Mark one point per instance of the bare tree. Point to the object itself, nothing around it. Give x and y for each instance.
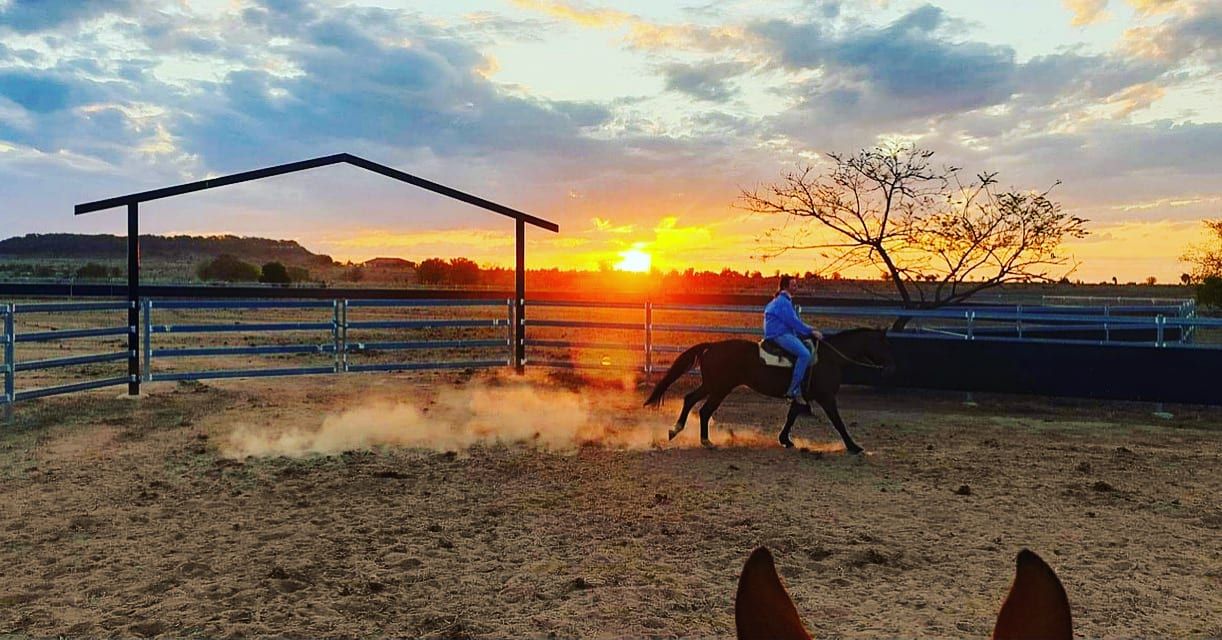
(1206, 258)
(937, 239)
(1206, 261)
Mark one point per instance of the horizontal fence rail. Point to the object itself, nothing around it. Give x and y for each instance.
(575, 334)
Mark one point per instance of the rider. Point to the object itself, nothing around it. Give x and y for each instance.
(783, 326)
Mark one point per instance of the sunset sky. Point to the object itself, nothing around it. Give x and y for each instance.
(632, 124)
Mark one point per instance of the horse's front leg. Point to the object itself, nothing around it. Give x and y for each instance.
(833, 413)
(795, 410)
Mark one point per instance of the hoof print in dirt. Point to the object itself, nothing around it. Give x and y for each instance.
(578, 584)
(963, 490)
(148, 629)
(874, 556)
(194, 570)
(1102, 487)
(289, 585)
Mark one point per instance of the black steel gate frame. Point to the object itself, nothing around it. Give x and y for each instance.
(132, 202)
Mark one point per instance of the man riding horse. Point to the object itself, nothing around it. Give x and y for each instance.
(783, 327)
(728, 364)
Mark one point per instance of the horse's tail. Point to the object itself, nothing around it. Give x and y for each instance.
(683, 363)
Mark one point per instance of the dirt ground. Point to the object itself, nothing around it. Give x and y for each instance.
(143, 518)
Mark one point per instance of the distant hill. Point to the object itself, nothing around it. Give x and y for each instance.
(104, 247)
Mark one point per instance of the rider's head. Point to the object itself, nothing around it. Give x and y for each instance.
(788, 283)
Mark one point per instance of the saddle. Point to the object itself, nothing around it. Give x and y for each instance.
(772, 355)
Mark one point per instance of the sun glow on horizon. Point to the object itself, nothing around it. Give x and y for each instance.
(634, 260)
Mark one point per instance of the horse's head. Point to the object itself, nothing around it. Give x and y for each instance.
(1036, 606)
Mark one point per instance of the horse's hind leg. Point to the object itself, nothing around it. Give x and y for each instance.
(833, 413)
(689, 401)
(706, 412)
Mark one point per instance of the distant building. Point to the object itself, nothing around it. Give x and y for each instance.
(390, 270)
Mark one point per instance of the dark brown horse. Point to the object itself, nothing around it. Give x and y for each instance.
(728, 364)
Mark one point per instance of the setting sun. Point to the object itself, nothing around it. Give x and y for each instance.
(633, 260)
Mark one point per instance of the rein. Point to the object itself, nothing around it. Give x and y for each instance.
(850, 360)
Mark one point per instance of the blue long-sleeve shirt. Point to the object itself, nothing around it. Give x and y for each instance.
(781, 318)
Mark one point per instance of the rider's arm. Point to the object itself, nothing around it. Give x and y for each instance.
(795, 322)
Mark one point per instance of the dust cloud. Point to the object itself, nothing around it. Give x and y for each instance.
(521, 412)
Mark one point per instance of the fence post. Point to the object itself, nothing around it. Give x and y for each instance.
(1160, 321)
(648, 340)
(336, 364)
(343, 334)
(10, 370)
(1018, 315)
(971, 323)
(133, 300)
(1107, 328)
(509, 330)
(148, 339)
(519, 277)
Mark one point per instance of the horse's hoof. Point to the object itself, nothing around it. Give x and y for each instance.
(855, 450)
(708, 444)
(674, 432)
(786, 442)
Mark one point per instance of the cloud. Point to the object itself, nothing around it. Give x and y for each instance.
(1194, 32)
(599, 18)
(708, 81)
(373, 77)
(37, 92)
(1156, 6)
(1136, 98)
(903, 70)
(30, 16)
(1086, 12)
(641, 34)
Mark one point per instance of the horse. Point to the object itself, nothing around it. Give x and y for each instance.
(1036, 607)
(728, 364)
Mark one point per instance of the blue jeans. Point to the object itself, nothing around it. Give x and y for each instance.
(793, 345)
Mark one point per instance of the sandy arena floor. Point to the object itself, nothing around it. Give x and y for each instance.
(145, 517)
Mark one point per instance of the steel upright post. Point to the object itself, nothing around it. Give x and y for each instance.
(133, 299)
(648, 340)
(148, 339)
(10, 368)
(519, 321)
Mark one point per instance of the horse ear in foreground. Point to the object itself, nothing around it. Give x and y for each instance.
(1036, 608)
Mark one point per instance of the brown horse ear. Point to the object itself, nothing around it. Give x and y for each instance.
(762, 608)
(1037, 606)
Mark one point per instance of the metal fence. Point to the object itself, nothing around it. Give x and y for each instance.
(338, 337)
(1002, 324)
(12, 338)
(346, 338)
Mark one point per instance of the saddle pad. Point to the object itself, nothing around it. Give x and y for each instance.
(770, 359)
